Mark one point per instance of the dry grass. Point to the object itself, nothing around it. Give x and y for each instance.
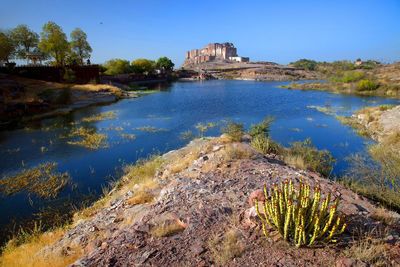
(383, 215)
(168, 229)
(236, 151)
(369, 249)
(140, 197)
(27, 254)
(296, 161)
(185, 159)
(222, 251)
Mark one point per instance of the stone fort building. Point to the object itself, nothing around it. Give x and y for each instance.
(214, 52)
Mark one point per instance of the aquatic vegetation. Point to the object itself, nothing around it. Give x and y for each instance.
(327, 111)
(42, 180)
(297, 217)
(310, 119)
(99, 117)
(43, 149)
(150, 129)
(89, 138)
(295, 130)
(12, 151)
(203, 128)
(186, 136)
(128, 136)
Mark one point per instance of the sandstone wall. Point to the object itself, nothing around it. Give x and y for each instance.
(213, 51)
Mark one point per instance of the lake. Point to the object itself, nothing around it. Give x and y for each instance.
(167, 114)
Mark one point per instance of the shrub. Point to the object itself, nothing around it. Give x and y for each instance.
(320, 161)
(235, 130)
(367, 85)
(117, 66)
(261, 128)
(303, 222)
(353, 76)
(265, 145)
(306, 64)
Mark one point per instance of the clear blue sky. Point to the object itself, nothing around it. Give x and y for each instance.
(270, 30)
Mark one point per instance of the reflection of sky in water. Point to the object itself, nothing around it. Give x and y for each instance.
(178, 109)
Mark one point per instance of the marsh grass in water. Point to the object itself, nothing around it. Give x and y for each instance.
(150, 129)
(99, 117)
(88, 138)
(43, 181)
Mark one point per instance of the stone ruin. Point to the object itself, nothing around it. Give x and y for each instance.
(214, 52)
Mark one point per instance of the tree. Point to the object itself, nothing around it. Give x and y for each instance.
(117, 66)
(165, 63)
(142, 65)
(306, 64)
(24, 40)
(7, 47)
(79, 45)
(54, 42)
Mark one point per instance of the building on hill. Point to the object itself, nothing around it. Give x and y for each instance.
(214, 52)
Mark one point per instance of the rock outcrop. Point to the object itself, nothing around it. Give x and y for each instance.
(196, 206)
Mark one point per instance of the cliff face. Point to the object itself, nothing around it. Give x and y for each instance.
(212, 52)
(200, 215)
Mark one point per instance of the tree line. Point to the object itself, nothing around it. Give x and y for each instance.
(141, 65)
(52, 44)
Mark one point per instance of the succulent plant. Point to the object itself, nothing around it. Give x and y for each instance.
(297, 217)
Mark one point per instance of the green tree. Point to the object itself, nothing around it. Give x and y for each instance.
(306, 64)
(24, 40)
(7, 47)
(54, 42)
(79, 45)
(117, 66)
(142, 65)
(165, 63)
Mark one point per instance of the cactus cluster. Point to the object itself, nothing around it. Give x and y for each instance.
(299, 218)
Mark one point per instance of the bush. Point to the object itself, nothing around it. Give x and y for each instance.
(235, 130)
(305, 64)
(297, 217)
(367, 85)
(261, 128)
(265, 145)
(142, 65)
(320, 161)
(353, 76)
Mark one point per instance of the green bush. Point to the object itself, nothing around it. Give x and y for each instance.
(261, 128)
(235, 130)
(306, 64)
(297, 216)
(265, 145)
(320, 161)
(353, 76)
(367, 85)
(117, 66)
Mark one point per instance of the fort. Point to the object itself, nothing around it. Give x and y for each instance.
(214, 52)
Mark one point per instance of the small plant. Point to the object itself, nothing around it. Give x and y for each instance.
(301, 223)
(265, 145)
(235, 130)
(261, 128)
(367, 85)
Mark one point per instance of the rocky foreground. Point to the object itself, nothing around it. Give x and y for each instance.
(201, 216)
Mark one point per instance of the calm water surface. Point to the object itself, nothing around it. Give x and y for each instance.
(178, 108)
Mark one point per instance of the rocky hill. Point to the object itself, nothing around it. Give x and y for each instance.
(195, 211)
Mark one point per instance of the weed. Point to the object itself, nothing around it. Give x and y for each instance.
(265, 145)
(99, 117)
(262, 128)
(222, 251)
(168, 229)
(370, 250)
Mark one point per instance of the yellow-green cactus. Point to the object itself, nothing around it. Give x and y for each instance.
(297, 217)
